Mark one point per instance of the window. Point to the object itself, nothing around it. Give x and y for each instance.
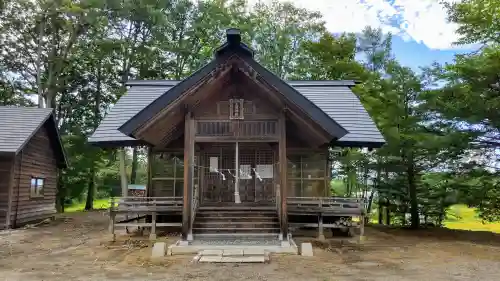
(37, 187)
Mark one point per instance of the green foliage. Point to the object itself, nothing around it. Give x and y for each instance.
(479, 20)
(77, 54)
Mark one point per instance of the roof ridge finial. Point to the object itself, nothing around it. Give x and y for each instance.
(233, 36)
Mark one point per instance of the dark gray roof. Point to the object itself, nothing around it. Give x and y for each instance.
(341, 104)
(335, 98)
(138, 96)
(19, 124)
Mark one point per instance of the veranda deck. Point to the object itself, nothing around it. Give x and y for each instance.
(317, 212)
(137, 208)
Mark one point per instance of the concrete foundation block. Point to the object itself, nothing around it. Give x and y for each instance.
(183, 243)
(152, 237)
(159, 249)
(306, 249)
(169, 250)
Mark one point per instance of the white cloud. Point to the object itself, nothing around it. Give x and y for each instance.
(423, 21)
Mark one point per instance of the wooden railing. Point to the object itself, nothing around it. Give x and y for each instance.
(339, 205)
(145, 204)
(242, 128)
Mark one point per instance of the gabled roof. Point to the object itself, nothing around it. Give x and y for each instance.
(335, 98)
(19, 124)
(138, 97)
(233, 46)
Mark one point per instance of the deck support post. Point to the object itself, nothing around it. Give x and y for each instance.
(152, 235)
(188, 176)
(321, 235)
(237, 198)
(283, 175)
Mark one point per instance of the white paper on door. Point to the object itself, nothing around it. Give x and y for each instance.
(265, 171)
(214, 164)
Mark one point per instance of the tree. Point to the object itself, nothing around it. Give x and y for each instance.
(479, 20)
(279, 31)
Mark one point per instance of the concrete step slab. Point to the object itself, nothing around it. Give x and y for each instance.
(253, 252)
(211, 252)
(232, 252)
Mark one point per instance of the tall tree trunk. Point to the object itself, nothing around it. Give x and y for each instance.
(133, 173)
(60, 193)
(380, 213)
(89, 203)
(412, 185)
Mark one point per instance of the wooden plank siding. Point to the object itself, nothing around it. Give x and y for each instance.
(5, 179)
(37, 159)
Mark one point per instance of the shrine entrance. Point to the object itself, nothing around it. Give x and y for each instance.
(238, 173)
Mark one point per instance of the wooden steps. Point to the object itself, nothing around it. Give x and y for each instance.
(218, 220)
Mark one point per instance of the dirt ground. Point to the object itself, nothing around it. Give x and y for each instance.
(75, 247)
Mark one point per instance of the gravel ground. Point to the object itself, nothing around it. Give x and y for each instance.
(75, 247)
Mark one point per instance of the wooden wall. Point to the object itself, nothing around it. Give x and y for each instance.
(5, 169)
(37, 159)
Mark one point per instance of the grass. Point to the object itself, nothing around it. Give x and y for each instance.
(79, 207)
(463, 217)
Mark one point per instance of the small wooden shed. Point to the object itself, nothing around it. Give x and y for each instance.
(31, 153)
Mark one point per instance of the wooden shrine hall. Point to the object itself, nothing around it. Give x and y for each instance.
(235, 150)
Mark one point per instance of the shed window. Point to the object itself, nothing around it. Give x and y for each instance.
(36, 189)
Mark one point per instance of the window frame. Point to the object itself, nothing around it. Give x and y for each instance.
(36, 187)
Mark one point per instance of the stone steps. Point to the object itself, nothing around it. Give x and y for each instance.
(237, 255)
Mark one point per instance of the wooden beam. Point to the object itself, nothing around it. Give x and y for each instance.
(188, 176)
(277, 98)
(283, 175)
(207, 80)
(240, 139)
(150, 172)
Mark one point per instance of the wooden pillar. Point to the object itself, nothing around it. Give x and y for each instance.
(237, 198)
(149, 188)
(188, 177)
(283, 176)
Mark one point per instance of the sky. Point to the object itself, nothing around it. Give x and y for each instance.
(421, 32)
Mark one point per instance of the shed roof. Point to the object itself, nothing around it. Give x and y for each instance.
(335, 98)
(19, 124)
